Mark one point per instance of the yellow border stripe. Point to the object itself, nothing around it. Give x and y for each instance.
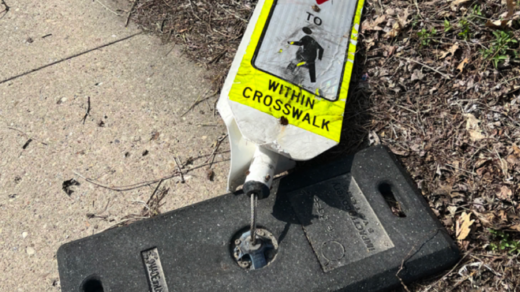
(349, 65)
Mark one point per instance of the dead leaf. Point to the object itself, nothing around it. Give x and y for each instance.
(417, 75)
(390, 50)
(505, 193)
(462, 64)
(502, 216)
(473, 128)
(373, 138)
(515, 227)
(403, 20)
(497, 24)
(456, 4)
(373, 25)
(369, 43)
(516, 150)
(452, 210)
(396, 28)
(398, 152)
(513, 160)
(463, 226)
(506, 21)
(486, 219)
(451, 51)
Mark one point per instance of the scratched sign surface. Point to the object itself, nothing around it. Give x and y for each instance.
(339, 222)
(298, 63)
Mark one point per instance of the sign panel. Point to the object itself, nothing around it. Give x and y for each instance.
(298, 63)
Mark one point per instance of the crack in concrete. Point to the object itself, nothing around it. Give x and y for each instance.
(68, 58)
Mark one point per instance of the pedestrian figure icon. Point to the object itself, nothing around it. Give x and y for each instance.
(306, 55)
(307, 49)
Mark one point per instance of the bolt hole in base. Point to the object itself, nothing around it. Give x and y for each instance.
(255, 257)
(387, 191)
(92, 284)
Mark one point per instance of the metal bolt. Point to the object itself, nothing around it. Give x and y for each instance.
(238, 241)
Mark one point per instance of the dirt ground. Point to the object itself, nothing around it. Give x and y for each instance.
(60, 60)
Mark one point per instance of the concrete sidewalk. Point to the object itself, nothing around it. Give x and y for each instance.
(138, 91)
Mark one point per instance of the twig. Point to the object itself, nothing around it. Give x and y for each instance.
(452, 269)
(412, 252)
(217, 58)
(108, 8)
(26, 144)
(219, 141)
(199, 101)
(173, 47)
(68, 58)
(88, 111)
(130, 13)
(29, 138)
(407, 109)
(155, 191)
(418, 10)
(20, 131)
(179, 168)
(503, 82)
(6, 9)
(96, 215)
(123, 221)
(426, 66)
(141, 184)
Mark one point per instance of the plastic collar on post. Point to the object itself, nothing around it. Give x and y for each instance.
(258, 188)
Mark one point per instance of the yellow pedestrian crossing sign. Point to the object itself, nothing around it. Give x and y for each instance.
(289, 82)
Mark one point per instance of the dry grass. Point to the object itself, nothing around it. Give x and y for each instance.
(438, 83)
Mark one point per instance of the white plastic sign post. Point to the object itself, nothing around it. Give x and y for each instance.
(288, 84)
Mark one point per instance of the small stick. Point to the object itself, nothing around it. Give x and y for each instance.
(130, 13)
(123, 221)
(451, 271)
(180, 171)
(199, 101)
(219, 141)
(411, 253)
(26, 144)
(217, 58)
(418, 10)
(141, 184)
(30, 139)
(88, 111)
(20, 131)
(108, 8)
(424, 65)
(173, 47)
(154, 192)
(6, 7)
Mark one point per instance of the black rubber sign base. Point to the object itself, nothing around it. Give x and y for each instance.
(347, 226)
